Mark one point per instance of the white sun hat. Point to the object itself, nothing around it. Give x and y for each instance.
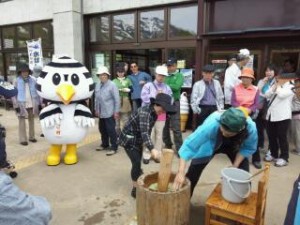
(162, 70)
(103, 69)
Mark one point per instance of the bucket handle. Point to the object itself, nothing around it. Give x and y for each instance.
(234, 191)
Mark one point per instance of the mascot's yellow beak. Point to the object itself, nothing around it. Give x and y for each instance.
(65, 92)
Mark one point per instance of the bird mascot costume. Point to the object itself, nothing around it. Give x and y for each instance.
(65, 85)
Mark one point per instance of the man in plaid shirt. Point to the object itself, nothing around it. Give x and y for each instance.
(137, 132)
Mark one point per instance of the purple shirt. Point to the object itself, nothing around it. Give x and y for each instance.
(209, 94)
(151, 89)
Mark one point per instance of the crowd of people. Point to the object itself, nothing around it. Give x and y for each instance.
(139, 113)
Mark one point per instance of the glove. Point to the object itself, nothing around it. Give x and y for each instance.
(17, 110)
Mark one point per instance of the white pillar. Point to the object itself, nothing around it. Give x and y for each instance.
(68, 28)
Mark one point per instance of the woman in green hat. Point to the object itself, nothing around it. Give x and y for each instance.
(231, 132)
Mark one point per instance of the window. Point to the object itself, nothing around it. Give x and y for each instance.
(100, 29)
(11, 65)
(185, 63)
(9, 37)
(183, 22)
(152, 24)
(124, 28)
(287, 58)
(24, 34)
(98, 59)
(236, 15)
(45, 32)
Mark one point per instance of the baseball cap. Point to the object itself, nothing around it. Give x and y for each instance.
(171, 61)
(208, 68)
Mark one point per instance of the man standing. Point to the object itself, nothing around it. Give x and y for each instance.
(138, 79)
(107, 107)
(175, 81)
(232, 74)
(207, 95)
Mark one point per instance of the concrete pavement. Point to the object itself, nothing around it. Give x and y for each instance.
(97, 189)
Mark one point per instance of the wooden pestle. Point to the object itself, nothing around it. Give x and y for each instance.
(165, 170)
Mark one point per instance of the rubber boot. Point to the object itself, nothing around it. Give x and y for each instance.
(71, 154)
(53, 158)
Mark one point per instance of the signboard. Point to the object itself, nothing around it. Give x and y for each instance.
(180, 64)
(187, 77)
(35, 53)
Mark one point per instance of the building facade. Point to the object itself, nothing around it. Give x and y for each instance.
(148, 32)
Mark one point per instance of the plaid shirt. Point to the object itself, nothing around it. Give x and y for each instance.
(137, 130)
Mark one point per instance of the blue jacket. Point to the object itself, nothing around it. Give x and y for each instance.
(136, 86)
(201, 143)
(107, 99)
(19, 208)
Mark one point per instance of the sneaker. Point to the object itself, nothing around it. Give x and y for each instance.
(111, 152)
(33, 140)
(257, 164)
(294, 151)
(133, 192)
(146, 161)
(281, 162)
(101, 148)
(269, 158)
(24, 143)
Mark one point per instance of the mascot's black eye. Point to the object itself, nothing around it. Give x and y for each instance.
(56, 79)
(75, 79)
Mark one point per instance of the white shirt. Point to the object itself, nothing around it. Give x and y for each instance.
(232, 74)
(281, 108)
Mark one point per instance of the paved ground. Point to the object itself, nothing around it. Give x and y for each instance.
(96, 190)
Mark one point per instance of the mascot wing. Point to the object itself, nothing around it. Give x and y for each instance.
(83, 116)
(50, 116)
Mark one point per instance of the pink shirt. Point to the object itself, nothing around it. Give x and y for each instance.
(246, 97)
(162, 117)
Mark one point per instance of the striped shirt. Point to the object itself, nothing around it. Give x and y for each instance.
(137, 130)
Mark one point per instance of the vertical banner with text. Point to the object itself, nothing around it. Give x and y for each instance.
(35, 53)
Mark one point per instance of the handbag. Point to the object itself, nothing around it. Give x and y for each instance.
(265, 107)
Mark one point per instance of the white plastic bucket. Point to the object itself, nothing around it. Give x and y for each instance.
(236, 184)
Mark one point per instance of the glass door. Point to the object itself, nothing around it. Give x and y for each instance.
(146, 59)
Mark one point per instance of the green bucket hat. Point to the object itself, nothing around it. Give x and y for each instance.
(233, 120)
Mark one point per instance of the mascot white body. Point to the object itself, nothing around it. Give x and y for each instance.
(65, 84)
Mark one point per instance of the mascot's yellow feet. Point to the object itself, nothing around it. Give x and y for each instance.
(53, 158)
(71, 154)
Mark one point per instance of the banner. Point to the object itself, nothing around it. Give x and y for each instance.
(35, 53)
